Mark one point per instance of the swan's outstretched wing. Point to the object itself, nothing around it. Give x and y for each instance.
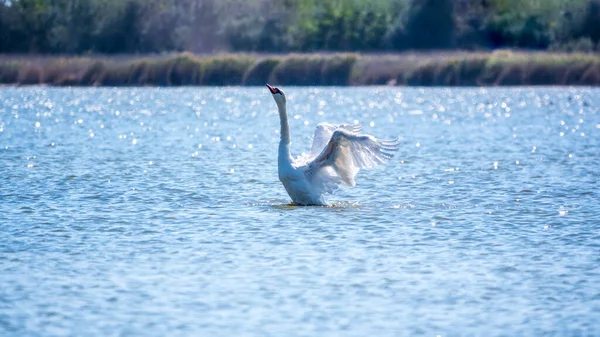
(323, 133)
(344, 155)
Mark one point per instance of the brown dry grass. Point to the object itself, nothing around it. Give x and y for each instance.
(424, 69)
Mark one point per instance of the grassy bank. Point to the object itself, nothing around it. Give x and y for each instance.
(449, 69)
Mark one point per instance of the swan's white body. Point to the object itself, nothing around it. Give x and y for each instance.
(337, 153)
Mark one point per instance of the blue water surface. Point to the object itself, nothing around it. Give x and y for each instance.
(155, 212)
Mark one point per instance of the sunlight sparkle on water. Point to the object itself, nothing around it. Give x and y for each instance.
(213, 221)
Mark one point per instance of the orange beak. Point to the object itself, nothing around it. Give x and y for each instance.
(272, 89)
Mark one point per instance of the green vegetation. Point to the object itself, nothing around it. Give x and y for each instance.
(208, 26)
(451, 69)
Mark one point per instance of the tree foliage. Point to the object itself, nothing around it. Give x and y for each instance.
(154, 26)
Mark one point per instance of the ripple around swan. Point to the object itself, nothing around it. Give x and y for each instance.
(143, 211)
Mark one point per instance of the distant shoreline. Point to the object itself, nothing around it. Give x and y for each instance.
(497, 68)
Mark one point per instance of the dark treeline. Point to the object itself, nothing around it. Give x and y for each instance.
(154, 26)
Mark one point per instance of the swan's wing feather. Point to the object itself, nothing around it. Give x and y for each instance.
(352, 128)
(323, 133)
(344, 155)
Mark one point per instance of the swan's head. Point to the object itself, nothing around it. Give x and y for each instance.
(278, 94)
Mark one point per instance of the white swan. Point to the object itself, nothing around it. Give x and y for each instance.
(337, 153)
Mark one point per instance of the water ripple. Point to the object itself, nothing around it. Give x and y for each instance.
(144, 211)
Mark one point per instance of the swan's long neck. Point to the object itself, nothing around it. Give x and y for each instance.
(284, 143)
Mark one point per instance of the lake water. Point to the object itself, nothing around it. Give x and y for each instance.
(144, 211)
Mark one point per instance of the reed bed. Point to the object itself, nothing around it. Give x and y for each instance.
(337, 69)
